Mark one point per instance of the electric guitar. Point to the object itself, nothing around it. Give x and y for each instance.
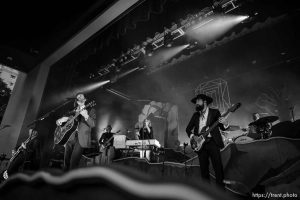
(21, 147)
(198, 141)
(62, 133)
(103, 146)
(30, 138)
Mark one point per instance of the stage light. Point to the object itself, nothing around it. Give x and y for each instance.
(114, 79)
(164, 55)
(217, 9)
(118, 68)
(213, 27)
(91, 75)
(92, 86)
(168, 39)
(149, 49)
(242, 18)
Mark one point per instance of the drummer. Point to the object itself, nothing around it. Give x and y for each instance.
(260, 128)
(253, 129)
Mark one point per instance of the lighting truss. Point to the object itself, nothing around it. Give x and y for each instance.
(158, 41)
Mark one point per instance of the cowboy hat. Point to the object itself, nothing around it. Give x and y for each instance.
(204, 97)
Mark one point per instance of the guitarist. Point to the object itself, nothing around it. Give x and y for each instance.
(81, 138)
(205, 116)
(106, 141)
(28, 151)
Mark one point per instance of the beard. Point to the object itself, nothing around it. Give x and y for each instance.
(199, 108)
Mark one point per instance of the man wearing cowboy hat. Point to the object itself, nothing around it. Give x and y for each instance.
(205, 116)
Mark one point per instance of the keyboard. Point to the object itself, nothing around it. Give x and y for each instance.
(142, 143)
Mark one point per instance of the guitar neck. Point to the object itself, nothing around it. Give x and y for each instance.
(112, 137)
(215, 124)
(78, 112)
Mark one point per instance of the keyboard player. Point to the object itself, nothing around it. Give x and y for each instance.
(146, 133)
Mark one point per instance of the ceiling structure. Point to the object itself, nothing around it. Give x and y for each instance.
(110, 52)
(31, 31)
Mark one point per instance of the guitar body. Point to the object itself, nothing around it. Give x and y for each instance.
(197, 142)
(102, 148)
(64, 132)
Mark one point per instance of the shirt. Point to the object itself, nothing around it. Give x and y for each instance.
(203, 121)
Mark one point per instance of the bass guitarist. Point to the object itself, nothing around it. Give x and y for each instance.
(205, 116)
(107, 150)
(82, 137)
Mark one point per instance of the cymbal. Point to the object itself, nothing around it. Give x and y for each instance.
(264, 120)
(233, 128)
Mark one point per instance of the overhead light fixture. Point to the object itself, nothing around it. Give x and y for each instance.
(217, 9)
(149, 49)
(91, 76)
(168, 39)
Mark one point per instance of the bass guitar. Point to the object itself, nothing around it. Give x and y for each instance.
(62, 133)
(103, 146)
(198, 141)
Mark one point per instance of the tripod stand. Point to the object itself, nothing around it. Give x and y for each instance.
(185, 166)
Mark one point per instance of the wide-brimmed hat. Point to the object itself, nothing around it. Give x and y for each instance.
(204, 97)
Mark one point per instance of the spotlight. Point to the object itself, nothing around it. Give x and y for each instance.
(243, 19)
(118, 68)
(149, 49)
(91, 75)
(168, 39)
(217, 8)
(114, 79)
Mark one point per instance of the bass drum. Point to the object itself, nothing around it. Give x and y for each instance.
(243, 139)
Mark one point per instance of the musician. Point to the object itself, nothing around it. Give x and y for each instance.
(106, 142)
(81, 138)
(146, 132)
(107, 136)
(259, 129)
(253, 129)
(26, 154)
(205, 116)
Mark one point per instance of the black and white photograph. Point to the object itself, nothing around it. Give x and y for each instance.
(149, 99)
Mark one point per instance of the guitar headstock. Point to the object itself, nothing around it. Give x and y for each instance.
(234, 107)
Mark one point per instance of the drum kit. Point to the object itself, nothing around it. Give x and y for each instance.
(258, 129)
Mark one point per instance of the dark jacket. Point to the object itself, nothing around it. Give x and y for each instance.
(85, 129)
(105, 137)
(145, 134)
(213, 115)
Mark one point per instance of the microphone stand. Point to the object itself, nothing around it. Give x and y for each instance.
(49, 113)
(292, 112)
(163, 166)
(184, 153)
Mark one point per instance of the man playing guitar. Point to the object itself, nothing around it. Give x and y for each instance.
(27, 153)
(81, 138)
(107, 150)
(205, 116)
